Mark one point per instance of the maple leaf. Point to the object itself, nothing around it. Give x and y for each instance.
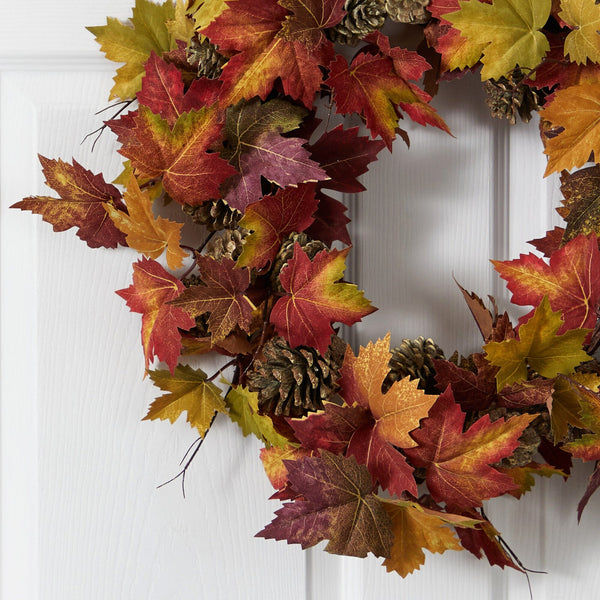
(457, 463)
(152, 289)
(330, 221)
(242, 405)
(205, 11)
(371, 86)
(309, 19)
(565, 409)
(587, 447)
(338, 505)
(523, 476)
(457, 51)
(571, 281)
(538, 346)
(256, 148)
(189, 391)
(593, 485)
(482, 540)
(81, 203)
(344, 155)
(316, 299)
(388, 417)
(581, 204)
(163, 91)
(577, 110)
(583, 43)
(145, 233)
(473, 391)
(181, 27)
(557, 72)
(551, 242)
(190, 174)
(133, 44)
(271, 220)
(511, 30)
(330, 429)
(482, 315)
(269, 49)
(222, 295)
(416, 528)
(273, 460)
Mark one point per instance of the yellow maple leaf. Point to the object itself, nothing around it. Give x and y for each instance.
(182, 27)
(510, 30)
(243, 410)
(132, 44)
(539, 347)
(145, 233)
(565, 408)
(189, 391)
(416, 528)
(205, 11)
(577, 110)
(583, 42)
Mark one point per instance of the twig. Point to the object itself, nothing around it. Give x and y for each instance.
(182, 473)
(125, 104)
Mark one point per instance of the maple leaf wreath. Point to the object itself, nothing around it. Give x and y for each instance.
(219, 106)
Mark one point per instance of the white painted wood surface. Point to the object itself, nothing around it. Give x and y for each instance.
(80, 513)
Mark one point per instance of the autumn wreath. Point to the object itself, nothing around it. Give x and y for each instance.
(220, 108)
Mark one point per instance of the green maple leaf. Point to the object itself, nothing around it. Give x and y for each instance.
(539, 347)
(509, 28)
(133, 44)
(189, 391)
(243, 410)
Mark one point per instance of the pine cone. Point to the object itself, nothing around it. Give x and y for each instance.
(294, 381)
(508, 96)
(414, 358)
(408, 11)
(204, 56)
(229, 243)
(215, 215)
(310, 246)
(362, 17)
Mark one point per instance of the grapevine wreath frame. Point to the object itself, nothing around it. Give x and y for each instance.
(374, 450)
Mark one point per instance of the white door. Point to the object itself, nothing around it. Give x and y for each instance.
(82, 517)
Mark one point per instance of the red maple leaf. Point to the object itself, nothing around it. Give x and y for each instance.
(370, 86)
(330, 221)
(344, 155)
(316, 299)
(482, 540)
(272, 219)
(571, 281)
(331, 429)
(551, 242)
(163, 92)
(273, 44)
(337, 504)
(222, 295)
(180, 154)
(152, 289)
(79, 205)
(457, 463)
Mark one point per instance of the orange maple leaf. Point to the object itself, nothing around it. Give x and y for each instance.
(577, 110)
(145, 233)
